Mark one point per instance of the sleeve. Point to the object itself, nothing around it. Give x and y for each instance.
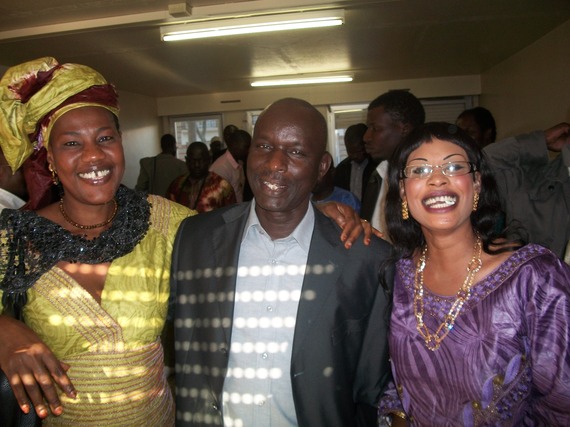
(516, 162)
(374, 358)
(390, 401)
(519, 152)
(143, 179)
(548, 318)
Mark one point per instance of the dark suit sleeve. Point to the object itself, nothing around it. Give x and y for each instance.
(374, 373)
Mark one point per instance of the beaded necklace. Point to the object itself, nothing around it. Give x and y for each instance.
(88, 227)
(434, 340)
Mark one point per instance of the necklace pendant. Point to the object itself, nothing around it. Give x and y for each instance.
(431, 343)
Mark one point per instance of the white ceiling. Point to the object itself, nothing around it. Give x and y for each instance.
(381, 40)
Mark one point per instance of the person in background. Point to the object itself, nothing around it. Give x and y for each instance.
(200, 189)
(13, 189)
(325, 190)
(91, 269)
(290, 326)
(480, 325)
(156, 173)
(217, 148)
(230, 165)
(479, 124)
(228, 130)
(391, 117)
(353, 173)
(535, 188)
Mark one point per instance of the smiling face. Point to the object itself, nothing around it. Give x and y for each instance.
(286, 158)
(86, 151)
(439, 202)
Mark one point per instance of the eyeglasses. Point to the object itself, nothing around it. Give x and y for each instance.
(448, 169)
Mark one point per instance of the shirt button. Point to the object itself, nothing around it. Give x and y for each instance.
(269, 308)
(264, 355)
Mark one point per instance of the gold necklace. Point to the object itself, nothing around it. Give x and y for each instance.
(88, 227)
(434, 340)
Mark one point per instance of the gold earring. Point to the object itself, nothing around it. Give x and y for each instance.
(54, 177)
(405, 212)
(475, 201)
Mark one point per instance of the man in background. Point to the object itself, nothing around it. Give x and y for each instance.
(200, 189)
(325, 190)
(230, 165)
(156, 173)
(217, 148)
(479, 124)
(353, 173)
(391, 117)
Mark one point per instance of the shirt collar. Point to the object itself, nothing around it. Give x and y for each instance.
(302, 234)
(382, 169)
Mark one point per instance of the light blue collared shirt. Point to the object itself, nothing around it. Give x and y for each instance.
(257, 389)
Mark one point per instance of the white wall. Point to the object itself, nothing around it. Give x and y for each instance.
(531, 89)
(140, 126)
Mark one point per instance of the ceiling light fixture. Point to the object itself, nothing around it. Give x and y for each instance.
(252, 25)
(302, 80)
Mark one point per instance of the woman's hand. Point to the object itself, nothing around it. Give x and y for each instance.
(32, 369)
(350, 222)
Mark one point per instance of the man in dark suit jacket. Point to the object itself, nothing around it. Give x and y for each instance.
(357, 160)
(239, 274)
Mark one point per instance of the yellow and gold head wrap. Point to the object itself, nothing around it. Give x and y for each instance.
(33, 95)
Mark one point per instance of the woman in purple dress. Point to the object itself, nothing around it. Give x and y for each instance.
(480, 328)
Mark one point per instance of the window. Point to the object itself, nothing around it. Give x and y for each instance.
(252, 117)
(194, 128)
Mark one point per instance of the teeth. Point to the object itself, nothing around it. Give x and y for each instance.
(95, 174)
(272, 186)
(440, 202)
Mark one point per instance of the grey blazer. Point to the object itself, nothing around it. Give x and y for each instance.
(345, 327)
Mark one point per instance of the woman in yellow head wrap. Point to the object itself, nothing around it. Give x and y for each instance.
(90, 270)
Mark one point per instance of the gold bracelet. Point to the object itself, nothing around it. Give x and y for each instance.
(399, 414)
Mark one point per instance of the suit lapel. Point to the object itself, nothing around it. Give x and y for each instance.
(225, 242)
(324, 265)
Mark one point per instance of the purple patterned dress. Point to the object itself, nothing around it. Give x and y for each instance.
(506, 362)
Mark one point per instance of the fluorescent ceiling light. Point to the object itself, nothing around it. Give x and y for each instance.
(253, 24)
(286, 81)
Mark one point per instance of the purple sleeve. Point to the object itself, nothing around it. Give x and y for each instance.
(390, 401)
(548, 317)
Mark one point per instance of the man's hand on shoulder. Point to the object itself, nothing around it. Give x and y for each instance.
(350, 222)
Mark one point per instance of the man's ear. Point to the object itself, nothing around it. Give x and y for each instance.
(324, 165)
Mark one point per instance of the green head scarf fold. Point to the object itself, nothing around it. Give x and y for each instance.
(33, 95)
